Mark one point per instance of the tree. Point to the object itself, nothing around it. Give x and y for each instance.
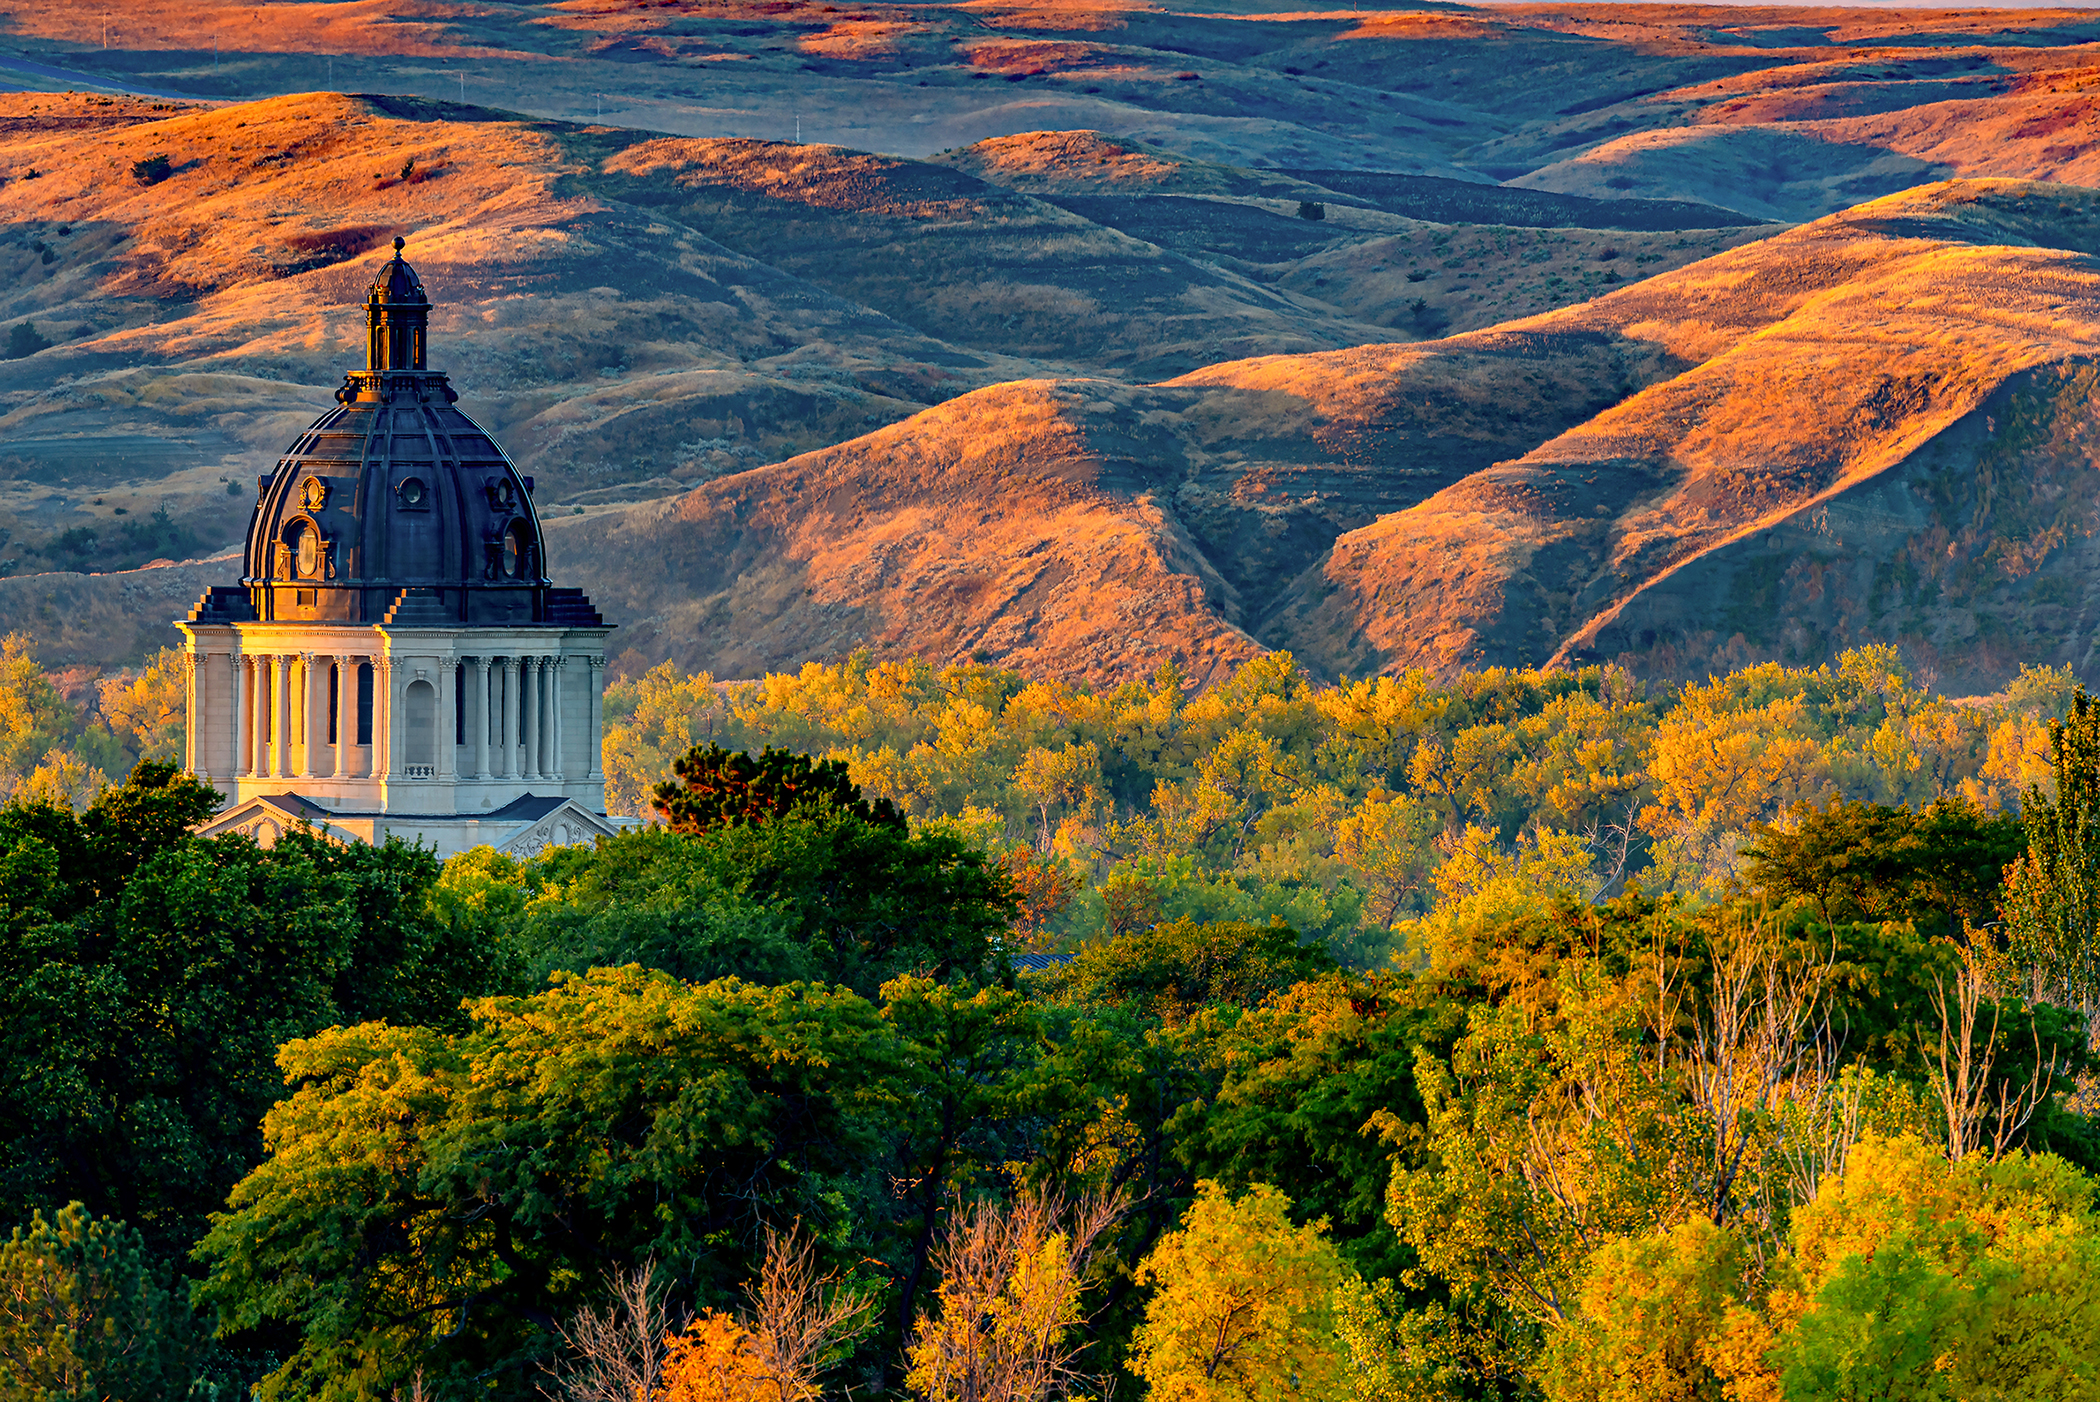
(35, 718)
(85, 1315)
(617, 1351)
(151, 710)
(962, 1055)
(1942, 867)
(1314, 1089)
(817, 893)
(1387, 840)
(796, 1325)
(147, 978)
(723, 788)
(1651, 1320)
(1011, 1278)
(1244, 1304)
(1169, 971)
(23, 339)
(2052, 893)
(1920, 1278)
(436, 1203)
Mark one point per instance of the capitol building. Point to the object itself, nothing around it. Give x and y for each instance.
(394, 660)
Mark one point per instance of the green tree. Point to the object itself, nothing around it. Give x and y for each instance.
(818, 893)
(721, 788)
(1926, 1279)
(956, 1117)
(85, 1315)
(1168, 971)
(1243, 1305)
(147, 978)
(23, 339)
(1315, 1092)
(435, 1203)
(2052, 893)
(1942, 868)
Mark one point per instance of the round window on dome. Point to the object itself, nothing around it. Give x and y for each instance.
(411, 491)
(513, 553)
(306, 554)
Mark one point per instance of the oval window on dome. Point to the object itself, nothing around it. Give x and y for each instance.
(513, 554)
(307, 554)
(411, 490)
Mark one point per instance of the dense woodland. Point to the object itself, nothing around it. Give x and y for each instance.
(1526, 1035)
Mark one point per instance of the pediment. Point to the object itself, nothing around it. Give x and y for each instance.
(265, 819)
(568, 824)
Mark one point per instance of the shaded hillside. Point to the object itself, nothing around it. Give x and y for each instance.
(632, 315)
(1897, 450)
(1804, 443)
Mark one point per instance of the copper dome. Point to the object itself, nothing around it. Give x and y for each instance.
(396, 490)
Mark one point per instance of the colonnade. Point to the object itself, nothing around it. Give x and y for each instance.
(517, 711)
(280, 717)
(511, 723)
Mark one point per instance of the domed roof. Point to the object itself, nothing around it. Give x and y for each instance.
(396, 490)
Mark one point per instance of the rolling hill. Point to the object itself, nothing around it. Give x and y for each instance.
(1870, 428)
(1409, 336)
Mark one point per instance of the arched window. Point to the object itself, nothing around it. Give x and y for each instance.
(306, 552)
(419, 707)
(517, 553)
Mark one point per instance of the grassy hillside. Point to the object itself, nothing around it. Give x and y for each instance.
(1860, 430)
(1402, 336)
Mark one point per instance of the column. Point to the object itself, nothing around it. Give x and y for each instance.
(281, 716)
(447, 736)
(345, 713)
(554, 764)
(496, 673)
(478, 713)
(308, 731)
(259, 716)
(507, 739)
(386, 723)
(237, 713)
(529, 698)
(196, 712)
(594, 673)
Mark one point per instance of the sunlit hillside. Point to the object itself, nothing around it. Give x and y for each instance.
(1395, 337)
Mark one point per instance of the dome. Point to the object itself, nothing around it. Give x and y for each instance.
(395, 490)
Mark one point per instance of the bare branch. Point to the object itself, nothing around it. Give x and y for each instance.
(1011, 1278)
(615, 1353)
(1985, 1113)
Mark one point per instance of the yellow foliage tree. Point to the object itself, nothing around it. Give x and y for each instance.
(150, 711)
(650, 721)
(1011, 1280)
(1243, 1305)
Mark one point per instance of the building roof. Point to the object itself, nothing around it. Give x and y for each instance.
(395, 507)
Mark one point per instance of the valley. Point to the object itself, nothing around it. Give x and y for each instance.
(1409, 337)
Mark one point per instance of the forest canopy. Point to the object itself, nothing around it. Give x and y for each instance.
(1521, 1035)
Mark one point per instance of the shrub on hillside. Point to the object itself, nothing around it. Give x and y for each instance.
(23, 339)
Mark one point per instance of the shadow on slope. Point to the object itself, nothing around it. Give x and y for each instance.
(1655, 532)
